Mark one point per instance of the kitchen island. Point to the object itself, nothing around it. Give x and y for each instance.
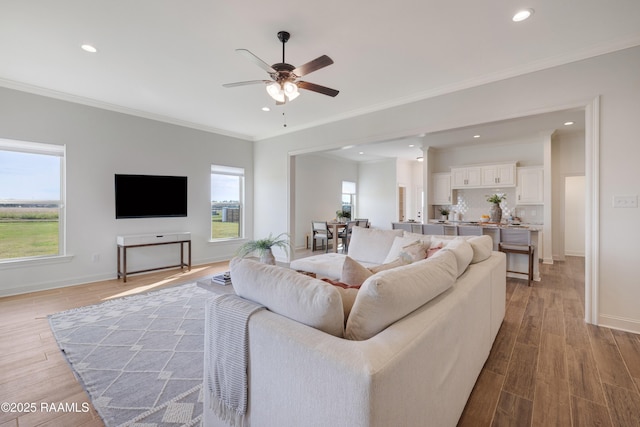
(516, 262)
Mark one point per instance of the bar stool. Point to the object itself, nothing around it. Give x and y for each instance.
(518, 241)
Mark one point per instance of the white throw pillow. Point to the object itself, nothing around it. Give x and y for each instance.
(424, 238)
(482, 247)
(396, 248)
(354, 273)
(371, 245)
(389, 295)
(296, 296)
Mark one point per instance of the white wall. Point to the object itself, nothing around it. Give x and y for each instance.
(318, 190)
(99, 144)
(378, 194)
(558, 88)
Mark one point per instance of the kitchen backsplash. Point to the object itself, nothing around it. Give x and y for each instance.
(472, 204)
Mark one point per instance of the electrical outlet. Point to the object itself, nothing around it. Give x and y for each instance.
(95, 258)
(533, 213)
(625, 201)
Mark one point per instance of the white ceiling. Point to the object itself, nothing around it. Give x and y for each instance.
(167, 60)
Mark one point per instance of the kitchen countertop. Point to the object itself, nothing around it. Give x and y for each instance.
(529, 226)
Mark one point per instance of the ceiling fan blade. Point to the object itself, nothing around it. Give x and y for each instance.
(311, 66)
(317, 88)
(250, 82)
(259, 62)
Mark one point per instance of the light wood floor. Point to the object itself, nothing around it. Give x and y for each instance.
(546, 368)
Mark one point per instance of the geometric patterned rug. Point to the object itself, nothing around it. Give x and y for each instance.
(140, 358)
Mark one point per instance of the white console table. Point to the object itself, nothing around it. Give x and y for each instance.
(139, 240)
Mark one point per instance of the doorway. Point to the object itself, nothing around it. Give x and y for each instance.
(574, 215)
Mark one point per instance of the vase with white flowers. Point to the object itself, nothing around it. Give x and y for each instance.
(495, 212)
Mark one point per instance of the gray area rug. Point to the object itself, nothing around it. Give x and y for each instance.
(140, 358)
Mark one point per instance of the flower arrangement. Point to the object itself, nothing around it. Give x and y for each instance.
(340, 213)
(496, 198)
(444, 211)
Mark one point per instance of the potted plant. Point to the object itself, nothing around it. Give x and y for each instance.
(444, 213)
(495, 212)
(343, 215)
(263, 247)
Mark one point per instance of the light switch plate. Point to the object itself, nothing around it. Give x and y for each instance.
(625, 201)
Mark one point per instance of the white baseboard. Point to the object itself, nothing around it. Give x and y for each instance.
(621, 323)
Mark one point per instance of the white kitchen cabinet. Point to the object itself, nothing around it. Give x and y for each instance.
(502, 175)
(530, 189)
(468, 177)
(441, 189)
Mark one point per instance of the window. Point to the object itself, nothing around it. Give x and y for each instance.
(349, 197)
(227, 202)
(31, 200)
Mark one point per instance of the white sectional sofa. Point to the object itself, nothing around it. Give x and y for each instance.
(408, 354)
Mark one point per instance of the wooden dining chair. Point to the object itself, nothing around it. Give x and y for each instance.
(320, 232)
(345, 234)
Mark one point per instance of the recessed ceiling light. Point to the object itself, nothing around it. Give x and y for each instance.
(361, 152)
(568, 123)
(89, 48)
(420, 158)
(522, 15)
(412, 145)
(476, 136)
(266, 109)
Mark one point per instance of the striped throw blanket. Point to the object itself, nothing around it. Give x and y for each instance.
(226, 353)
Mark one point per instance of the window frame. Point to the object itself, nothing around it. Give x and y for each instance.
(54, 150)
(240, 173)
(351, 195)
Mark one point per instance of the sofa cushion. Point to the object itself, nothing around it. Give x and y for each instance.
(482, 248)
(296, 296)
(354, 273)
(370, 245)
(462, 251)
(389, 295)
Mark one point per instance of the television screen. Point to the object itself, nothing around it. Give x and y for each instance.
(150, 196)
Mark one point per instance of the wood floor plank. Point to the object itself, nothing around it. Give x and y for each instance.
(576, 332)
(552, 405)
(483, 400)
(521, 372)
(629, 346)
(531, 326)
(512, 411)
(624, 406)
(500, 354)
(585, 413)
(608, 358)
(553, 322)
(584, 380)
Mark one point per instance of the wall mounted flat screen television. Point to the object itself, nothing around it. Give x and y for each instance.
(150, 196)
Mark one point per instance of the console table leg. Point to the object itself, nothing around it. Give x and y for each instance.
(124, 262)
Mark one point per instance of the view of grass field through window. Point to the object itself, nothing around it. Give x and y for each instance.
(28, 231)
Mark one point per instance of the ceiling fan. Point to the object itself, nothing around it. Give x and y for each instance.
(286, 77)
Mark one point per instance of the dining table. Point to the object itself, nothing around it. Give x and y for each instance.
(336, 227)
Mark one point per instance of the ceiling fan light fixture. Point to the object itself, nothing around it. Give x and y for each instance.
(291, 90)
(275, 91)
